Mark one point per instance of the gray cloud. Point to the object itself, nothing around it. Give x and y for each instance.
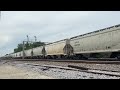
(50, 26)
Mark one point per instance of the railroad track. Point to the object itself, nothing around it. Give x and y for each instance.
(90, 61)
(69, 67)
(81, 69)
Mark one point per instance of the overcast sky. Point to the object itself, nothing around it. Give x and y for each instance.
(50, 26)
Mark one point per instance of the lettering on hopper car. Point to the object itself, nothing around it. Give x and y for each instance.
(77, 43)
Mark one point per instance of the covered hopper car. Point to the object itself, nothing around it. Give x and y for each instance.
(103, 43)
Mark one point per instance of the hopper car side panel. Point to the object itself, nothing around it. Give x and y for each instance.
(102, 42)
(28, 53)
(55, 48)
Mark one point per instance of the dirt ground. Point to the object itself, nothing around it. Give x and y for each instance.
(11, 72)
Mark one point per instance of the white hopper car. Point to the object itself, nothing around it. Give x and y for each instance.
(59, 49)
(100, 43)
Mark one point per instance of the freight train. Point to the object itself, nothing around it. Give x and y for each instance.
(103, 43)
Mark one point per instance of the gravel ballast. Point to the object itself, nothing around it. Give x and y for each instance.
(38, 70)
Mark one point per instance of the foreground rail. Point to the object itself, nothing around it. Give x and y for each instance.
(90, 61)
(81, 69)
(70, 67)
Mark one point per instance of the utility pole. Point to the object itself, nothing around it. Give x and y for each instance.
(32, 49)
(23, 50)
(27, 38)
(35, 38)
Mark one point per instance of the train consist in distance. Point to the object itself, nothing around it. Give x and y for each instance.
(103, 43)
